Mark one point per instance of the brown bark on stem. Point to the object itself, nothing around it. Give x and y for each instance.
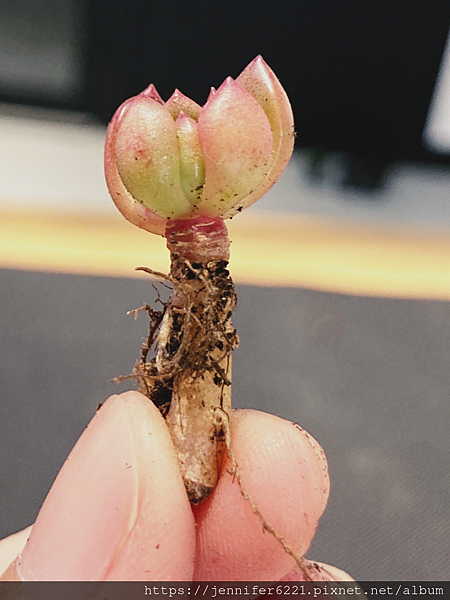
(189, 379)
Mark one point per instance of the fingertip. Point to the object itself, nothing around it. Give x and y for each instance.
(161, 545)
(285, 473)
(113, 502)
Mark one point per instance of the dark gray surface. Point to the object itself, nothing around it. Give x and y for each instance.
(369, 378)
(40, 55)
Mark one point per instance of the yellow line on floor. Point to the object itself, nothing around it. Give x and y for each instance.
(268, 249)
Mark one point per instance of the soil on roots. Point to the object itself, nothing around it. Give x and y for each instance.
(192, 333)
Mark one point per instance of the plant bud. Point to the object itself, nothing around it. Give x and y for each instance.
(177, 160)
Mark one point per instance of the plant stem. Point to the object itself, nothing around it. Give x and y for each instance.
(190, 376)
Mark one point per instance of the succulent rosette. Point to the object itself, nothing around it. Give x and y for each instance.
(173, 160)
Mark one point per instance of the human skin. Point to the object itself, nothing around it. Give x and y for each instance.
(118, 508)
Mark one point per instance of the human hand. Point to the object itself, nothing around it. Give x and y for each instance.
(118, 508)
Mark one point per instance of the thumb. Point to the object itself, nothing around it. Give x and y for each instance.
(284, 471)
(118, 508)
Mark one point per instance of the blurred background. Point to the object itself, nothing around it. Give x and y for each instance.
(343, 268)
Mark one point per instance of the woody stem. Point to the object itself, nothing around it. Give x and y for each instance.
(194, 347)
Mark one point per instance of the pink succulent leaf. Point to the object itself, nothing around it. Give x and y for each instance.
(261, 82)
(148, 160)
(134, 212)
(192, 165)
(178, 102)
(237, 144)
(152, 92)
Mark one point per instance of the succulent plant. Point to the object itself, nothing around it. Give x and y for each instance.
(177, 160)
